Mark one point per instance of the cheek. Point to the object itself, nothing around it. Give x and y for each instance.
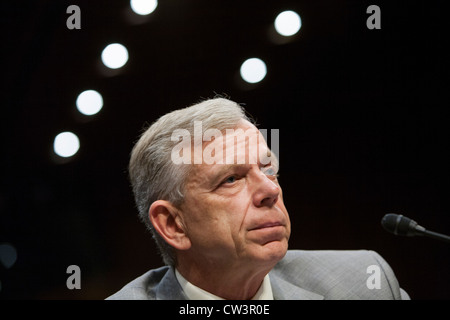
(281, 206)
(227, 227)
(209, 222)
(280, 203)
(216, 218)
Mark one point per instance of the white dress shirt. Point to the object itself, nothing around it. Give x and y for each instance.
(195, 293)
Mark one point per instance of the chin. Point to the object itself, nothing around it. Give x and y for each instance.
(274, 251)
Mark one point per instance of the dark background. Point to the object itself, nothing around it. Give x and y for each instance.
(362, 119)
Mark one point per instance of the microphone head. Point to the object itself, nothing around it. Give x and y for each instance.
(399, 225)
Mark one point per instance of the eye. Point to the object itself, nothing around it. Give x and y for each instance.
(269, 171)
(230, 179)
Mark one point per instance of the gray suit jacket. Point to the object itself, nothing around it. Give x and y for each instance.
(300, 275)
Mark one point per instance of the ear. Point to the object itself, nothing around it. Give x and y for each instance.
(167, 222)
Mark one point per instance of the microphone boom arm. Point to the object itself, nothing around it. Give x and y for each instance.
(434, 235)
(403, 226)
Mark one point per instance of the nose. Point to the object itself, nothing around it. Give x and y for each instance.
(266, 191)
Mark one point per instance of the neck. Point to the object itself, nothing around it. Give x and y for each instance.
(228, 282)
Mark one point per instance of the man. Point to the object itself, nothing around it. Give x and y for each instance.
(205, 184)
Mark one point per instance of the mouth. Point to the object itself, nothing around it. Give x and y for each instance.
(268, 232)
(267, 225)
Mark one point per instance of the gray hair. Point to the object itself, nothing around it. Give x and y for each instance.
(153, 174)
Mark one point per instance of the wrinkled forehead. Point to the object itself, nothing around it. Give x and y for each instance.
(243, 144)
(229, 149)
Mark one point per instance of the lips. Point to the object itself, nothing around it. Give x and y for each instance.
(267, 225)
(267, 232)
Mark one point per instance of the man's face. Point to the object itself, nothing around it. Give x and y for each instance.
(234, 213)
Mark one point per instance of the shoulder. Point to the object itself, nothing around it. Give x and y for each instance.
(336, 274)
(330, 258)
(143, 287)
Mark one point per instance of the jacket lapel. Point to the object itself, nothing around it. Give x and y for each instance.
(169, 288)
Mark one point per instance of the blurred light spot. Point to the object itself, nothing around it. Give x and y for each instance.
(8, 255)
(89, 102)
(66, 144)
(143, 7)
(253, 70)
(115, 56)
(288, 23)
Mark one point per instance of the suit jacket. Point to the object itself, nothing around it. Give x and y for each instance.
(300, 275)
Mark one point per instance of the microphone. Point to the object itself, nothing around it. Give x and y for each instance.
(403, 226)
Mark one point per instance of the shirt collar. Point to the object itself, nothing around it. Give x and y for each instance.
(195, 293)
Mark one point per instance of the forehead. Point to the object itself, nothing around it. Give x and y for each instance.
(234, 148)
(241, 144)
